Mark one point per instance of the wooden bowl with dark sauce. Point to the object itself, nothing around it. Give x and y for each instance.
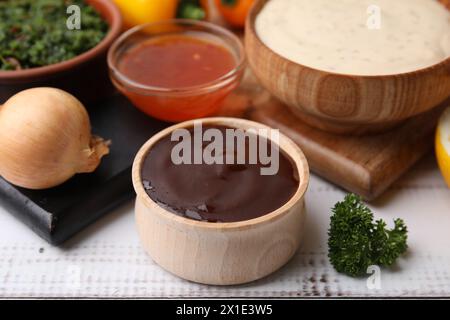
(217, 252)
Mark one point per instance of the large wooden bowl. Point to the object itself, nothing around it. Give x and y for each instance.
(345, 103)
(221, 253)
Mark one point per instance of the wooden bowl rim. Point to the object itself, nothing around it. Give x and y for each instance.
(250, 31)
(286, 145)
(109, 12)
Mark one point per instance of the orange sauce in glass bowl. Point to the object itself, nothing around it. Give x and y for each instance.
(176, 62)
(176, 77)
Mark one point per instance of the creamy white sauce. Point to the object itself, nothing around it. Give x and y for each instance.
(342, 36)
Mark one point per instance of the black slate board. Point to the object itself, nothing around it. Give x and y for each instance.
(57, 214)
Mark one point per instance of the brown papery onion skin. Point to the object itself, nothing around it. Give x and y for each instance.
(45, 139)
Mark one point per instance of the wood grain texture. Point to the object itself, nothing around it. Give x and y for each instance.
(345, 103)
(367, 165)
(222, 253)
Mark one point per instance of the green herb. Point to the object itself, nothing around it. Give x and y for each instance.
(34, 33)
(356, 241)
(191, 9)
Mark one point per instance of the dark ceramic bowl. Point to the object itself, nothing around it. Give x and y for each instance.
(85, 76)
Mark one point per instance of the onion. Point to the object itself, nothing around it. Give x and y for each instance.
(45, 139)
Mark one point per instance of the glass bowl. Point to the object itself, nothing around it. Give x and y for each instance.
(181, 103)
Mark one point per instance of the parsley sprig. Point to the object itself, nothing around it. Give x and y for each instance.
(356, 241)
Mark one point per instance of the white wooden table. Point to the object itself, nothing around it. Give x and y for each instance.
(106, 259)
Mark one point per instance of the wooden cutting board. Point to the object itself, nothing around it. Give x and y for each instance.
(366, 165)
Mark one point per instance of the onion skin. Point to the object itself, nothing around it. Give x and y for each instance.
(45, 139)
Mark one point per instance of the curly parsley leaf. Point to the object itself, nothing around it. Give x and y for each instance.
(355, 241)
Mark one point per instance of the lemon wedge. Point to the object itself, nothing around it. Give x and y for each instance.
(443, 145)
